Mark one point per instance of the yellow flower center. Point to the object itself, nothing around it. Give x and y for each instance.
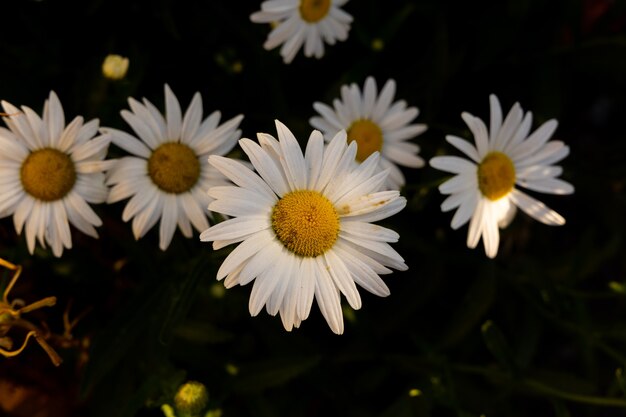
(48, 174)
(314, 10)
(368, 136)
(306, 223)
(174, 167)
(496, 175)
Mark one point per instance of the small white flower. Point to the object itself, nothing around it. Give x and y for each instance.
(49, 172)
(169, 176)
(308, 22)
(304, 226)
(376, 125)
(483, 189)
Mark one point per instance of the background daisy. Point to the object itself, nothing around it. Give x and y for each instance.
(303, 22)
(304, 226)
(483, 188)
(168, 177)
(376, 124)
(49, 172)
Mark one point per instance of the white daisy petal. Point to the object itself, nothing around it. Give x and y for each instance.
(327, 296)
(491, 236)
(234, 228)
(240, 174)
(479, 130)
(193, 211)
(147, 218)
(453, 164)
(363, 274)
(127, 142)
(495, 117)
(172, 115)
(548, 185)
(466, 208)
(484, 194)
(307, 287)
(56, 120)
(286, 272)
(285, 240)
(293, 158)
(294, 30)
(265, 166)
(171, 175)
(41, 200)
(168, 221)
(262, 289)
(464, 146)
(509, 128)
(192, 119)
(313, 157)
(375, 123)
(536, 209)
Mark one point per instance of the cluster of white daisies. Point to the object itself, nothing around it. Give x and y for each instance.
(303, 221)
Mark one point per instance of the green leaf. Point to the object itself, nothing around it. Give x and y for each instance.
(477, 301)
(261, 375)
(499, 347)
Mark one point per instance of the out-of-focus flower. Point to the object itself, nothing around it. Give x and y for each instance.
(191, 399)
(483, 188)
(49, 172)
(304, 223)
(115, 67)
(376, 124)
(303, 22)
(168, 177)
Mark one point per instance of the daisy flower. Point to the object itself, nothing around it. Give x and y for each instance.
(305, 226)
(49, 172)
(376, 125)
(308, 22)
(483, 188)
(168, 177)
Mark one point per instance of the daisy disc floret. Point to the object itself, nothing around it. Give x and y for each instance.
(168, 174)
(483, 190)
(49, 172)
(304, 223)
(376, 125)
(303, 22)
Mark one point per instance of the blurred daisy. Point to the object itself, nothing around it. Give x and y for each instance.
(49, 172)
(304, 224)
(483, 189)
(169, 176)
(376, 125)
(308, 22)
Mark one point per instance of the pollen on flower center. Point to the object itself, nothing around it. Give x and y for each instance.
(496, 175)
(368, 136)
(174, 167)
(48, 174)
(314, 10)
(305, 222)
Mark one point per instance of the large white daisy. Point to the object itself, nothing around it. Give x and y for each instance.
(49, 172)
(304, 224)
(376, 125)
(483, 188)
(168, 177)
(308, 22)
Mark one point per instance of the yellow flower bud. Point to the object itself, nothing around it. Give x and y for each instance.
(115, 67)
(191, 399)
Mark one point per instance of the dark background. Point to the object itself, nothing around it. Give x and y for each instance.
(539, 331)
